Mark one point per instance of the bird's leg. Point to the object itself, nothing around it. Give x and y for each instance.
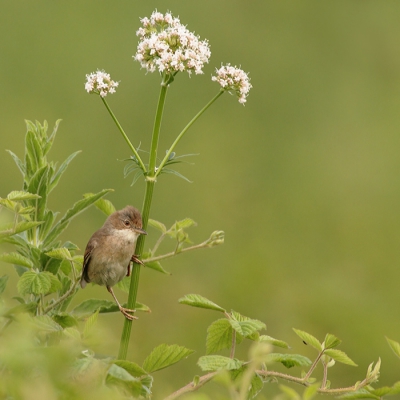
(124, 310)
(136, 260)
(128, 271)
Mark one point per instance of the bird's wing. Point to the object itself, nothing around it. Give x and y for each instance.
(86, 261)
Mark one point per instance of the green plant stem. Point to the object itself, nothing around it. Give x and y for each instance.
(150, 182)
(185, 129)
(136, 154)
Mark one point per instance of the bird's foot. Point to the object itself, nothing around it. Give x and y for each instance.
(136, 260)
(126, 312)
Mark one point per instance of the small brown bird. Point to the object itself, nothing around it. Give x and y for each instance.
(111, 249)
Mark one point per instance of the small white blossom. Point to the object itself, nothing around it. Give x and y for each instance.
(99, 82)
(233, 80)
(168, 46)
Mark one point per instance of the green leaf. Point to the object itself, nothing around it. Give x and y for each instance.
(308, 339)
(16, 258)
(359, 394)
(215, 363)
(290, 393)
(65, 320)
(311, 391)
(33, 151)
(60, 253)
(121, 378)
(340, 356)
(18, 195)
(183, 224)
(273, 341)
(3, 283)
(195, 300)
(165, 355)
(245, 326)
(395, 346)
(76, 209)
(17, 161)
(39, 185)
(32, 282)
(256, 385)
(89, 324)
(289, 360)
(92, 305)
(131, 367)
(331, 341)
(103, 205)
(48, 219)
(45, 324)
(219, 336)
(56, 177)
(158, 225)
(156, 265)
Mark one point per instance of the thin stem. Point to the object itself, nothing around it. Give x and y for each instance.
(136, 154)
(192, 121)
(174, 253)
(325, 378)
(156, 130)
(233, 347)
(314, 364)
(62, 298)
(191, 387)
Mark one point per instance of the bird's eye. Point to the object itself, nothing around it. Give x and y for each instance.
(126, 223)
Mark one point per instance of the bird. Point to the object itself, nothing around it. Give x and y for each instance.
(111, 249)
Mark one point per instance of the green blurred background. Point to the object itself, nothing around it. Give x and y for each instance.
(303, 179)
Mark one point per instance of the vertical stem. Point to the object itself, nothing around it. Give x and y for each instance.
(150, 182)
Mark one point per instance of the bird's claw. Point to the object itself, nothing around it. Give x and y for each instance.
(136, 260)
(126, 312)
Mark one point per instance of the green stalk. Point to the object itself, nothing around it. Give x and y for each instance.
(185, 129)
(142, 166)
(150, 182)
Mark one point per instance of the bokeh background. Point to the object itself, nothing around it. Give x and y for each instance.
(304, 179)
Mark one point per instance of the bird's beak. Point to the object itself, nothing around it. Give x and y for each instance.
(141, 231)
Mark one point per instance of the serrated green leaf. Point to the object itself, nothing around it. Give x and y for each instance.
(56, 177)
(289, 360)
(308, 339)
(165, 355)
(131, 367)
(16, 258)
(195, 300)
(215, 363)
(331, 341)
(395, 346)
(382, 391)
(60, 253)
(3, 283)
(48, 220)
(340, 356)
(45, 324)
(33, 150)
(256, 385)
(32, 282)
(183, 224)
(273, 341)
(219, 336)
(245, 326)
(18, 195)
(157, 225)
(156, 265)
(39, 185)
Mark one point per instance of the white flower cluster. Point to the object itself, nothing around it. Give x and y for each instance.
(99, 82)
(233, 80)
(168, 46)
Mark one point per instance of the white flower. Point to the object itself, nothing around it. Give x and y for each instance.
(99, 82)
(233, 80)
(168, 46)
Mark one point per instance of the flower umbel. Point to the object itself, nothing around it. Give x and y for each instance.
(99, 82)
(233, 80)
(168, 46)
